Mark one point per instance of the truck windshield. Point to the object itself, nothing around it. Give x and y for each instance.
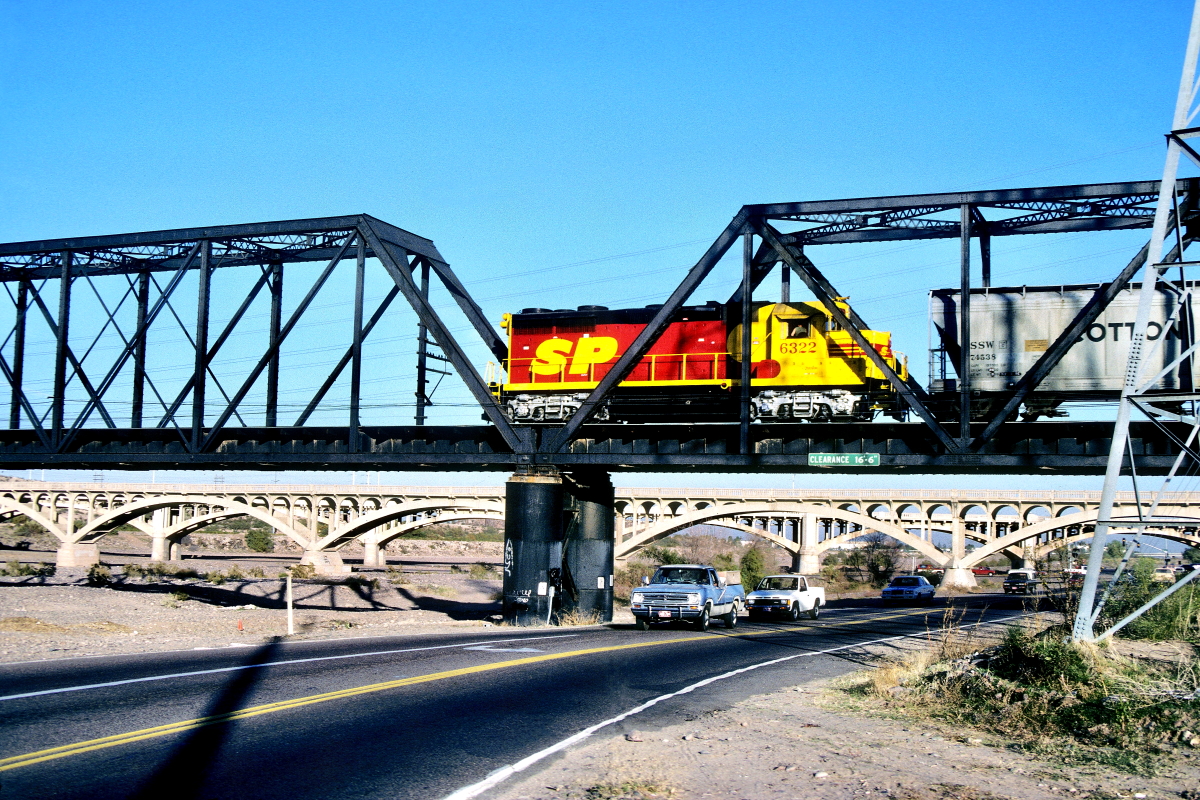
(681, 575)
(779, 584)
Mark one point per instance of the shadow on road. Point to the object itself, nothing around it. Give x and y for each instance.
(184, 774)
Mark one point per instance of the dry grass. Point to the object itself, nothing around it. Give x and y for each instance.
(34, 625)
(28, 625)
(575, 617)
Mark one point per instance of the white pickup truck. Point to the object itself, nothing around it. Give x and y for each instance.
(786, 596)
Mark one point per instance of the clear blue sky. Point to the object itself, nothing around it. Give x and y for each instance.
(617, 137)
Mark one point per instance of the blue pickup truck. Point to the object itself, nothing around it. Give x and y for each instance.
(691, 592)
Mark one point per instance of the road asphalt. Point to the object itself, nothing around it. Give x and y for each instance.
(417, 716)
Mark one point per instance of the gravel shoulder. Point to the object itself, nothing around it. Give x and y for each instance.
(815, 740)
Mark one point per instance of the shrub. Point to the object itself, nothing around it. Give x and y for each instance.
(260, 541)
(155, 569)
(664, 555)
(481, 571)
(16, 569)
(753, 567)
(99, 575)
(303, 571)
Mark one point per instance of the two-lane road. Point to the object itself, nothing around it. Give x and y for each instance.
(398, 717)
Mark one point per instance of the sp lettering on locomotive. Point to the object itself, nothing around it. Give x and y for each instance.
(552, 355)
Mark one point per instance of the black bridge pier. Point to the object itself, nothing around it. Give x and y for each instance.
(533, 545)
(558, 545)
(590, 544)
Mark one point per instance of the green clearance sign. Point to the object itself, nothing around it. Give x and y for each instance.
(843, 459)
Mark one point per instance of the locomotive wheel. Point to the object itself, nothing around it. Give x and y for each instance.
(824, 414)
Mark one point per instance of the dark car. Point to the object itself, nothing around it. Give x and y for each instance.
(911, 588)
(1021, 583)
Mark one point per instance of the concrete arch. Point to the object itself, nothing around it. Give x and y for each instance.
(1031, 514)
(1041, 551)
(13, 508)
(392, 534)
(667, 527)
(103, 525)
(1006, 510)
(1054, 523)
(357, 527)
(973, 509)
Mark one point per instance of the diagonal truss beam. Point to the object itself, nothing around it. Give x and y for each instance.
(345, 359)
(1050, 359)
(558, 439)
(400, 271)
(826, 294)
(226, 332)
(241, 393)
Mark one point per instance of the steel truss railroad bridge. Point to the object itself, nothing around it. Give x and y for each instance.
(328, 521)
(129, 410)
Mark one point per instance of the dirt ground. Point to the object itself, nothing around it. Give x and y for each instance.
(61, 616)
(816, 741)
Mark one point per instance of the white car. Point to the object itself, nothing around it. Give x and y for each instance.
(786, 596)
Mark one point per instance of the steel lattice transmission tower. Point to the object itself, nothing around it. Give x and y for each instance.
(1168, 409)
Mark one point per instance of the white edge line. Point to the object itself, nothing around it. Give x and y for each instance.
(502, 774)
(282, 642)
(270, 664)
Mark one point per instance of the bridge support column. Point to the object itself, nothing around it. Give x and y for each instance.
(175, 550)
(373, 555)
(325, 562)
(807, 561)
(590, 542)
(956, 576)
(77, 555)
(533, 542)
(160, 548)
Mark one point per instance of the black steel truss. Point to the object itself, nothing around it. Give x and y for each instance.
(154, 263)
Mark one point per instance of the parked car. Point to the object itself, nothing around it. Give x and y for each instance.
(910, 588)
(786, 596)
(983, 570)
(1163, 575)
(1021, 581)
(690, 592)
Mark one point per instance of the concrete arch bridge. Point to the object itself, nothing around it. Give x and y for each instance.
(1019, 525)
(323, 520)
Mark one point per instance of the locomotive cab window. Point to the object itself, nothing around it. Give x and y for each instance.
(795, 328)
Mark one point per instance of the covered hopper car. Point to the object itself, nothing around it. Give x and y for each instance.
(803, 366)
(1012, 327)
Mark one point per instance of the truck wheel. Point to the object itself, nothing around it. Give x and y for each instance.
(642, 624)
(730, 617)
(815, 611)
(795, 613)
(702, 623)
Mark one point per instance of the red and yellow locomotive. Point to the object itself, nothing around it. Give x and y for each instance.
(803, 366)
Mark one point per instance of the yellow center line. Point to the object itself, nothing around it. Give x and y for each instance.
(13, 762)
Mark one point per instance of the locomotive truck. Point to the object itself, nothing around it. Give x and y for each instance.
(804, 367)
